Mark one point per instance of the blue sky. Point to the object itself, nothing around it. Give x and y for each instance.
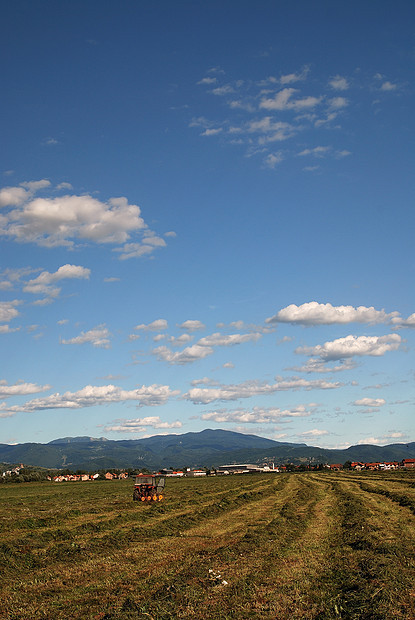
(206, 216)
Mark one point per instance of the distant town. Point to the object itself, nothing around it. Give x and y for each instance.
(21, 473)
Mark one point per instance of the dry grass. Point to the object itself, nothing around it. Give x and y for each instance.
(291, 546)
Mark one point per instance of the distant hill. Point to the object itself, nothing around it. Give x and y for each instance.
(208, 448)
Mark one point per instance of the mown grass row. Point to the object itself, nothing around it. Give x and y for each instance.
(371, 569)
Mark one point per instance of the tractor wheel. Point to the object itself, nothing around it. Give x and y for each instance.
(143, 499)
(160, 498)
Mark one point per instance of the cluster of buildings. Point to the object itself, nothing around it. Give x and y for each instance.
(85, 477)
(385, 466)
(14, 471)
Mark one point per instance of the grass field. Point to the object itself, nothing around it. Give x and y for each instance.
(289, 546)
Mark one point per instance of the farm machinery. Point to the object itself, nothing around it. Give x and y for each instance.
(149, 488)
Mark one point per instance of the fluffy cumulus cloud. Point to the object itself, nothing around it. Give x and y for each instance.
(91, 396)
(21, 389)
(258, 415)
(154, 326)
(8, 310)
(43, 283)
(71, 219)
(314, 313)
(6, 329)
(178, 341)
(399, 322)
(370, 402)
(98, 336)
(186, 356)
(248, 389)
(140, 425)
(339, 83)
(192, 325)
(351, 346)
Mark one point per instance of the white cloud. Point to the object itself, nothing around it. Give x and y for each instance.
(219, 340)
(339, 83)
(35, 186)
(384, 439)
(98, 336)
(257, 415)
(158, 337)
(21, 389)
(12, 196)
(42, 284)
(398, 322)
(394, 435)
(155, 326)
(180, 340)
(138, 425)
(64, 185)
(71, 219)
(369, 441)
(273, 159)
(8, 310)
(192, 325)
(341, 154)
(50, 141)
(207, 80)
(136, 250)
(387, 86)
(91, 396)
(283, 101)
(274, 130)
(6, 329)
(338, 103)
(248, 389)
(290, 78)
(211, 132)
(204, 381)
(351, 346)
(227, 89)
(317, 151)
(311, 168)
(314, 313)
(319, 366)
(369, 402)
(228, 365)
(187, 356)
(315, 432)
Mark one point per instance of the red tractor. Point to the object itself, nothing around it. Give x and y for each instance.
(149, 488)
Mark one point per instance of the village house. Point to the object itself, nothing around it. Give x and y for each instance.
(195, 473)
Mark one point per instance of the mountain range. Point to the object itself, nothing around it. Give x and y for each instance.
(208, 448)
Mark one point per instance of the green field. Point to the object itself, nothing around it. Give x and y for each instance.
(288, 546)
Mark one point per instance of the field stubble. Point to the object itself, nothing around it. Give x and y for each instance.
(283, 546)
